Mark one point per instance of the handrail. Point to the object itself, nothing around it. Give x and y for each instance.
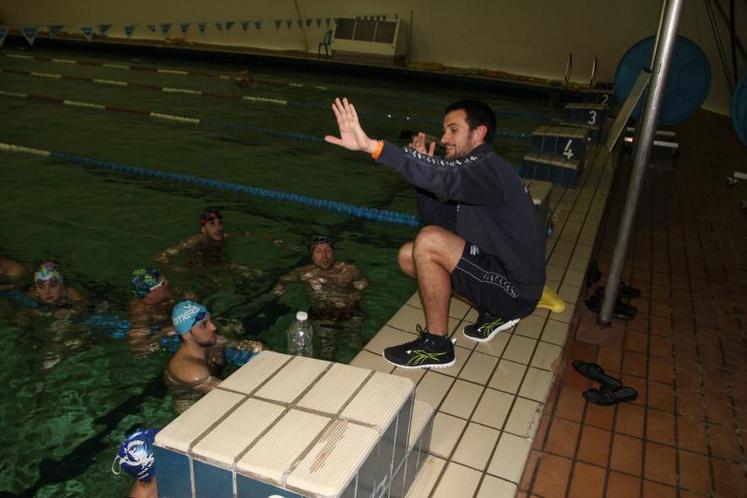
(593, 79)
(568, 69)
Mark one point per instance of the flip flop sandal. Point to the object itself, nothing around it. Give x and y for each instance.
(605, 396)
(625, 292)
(596, 373)
(620, 310)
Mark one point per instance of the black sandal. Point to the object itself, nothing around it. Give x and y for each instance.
(605, 396)
(620, 310)
(625, 292)
(596, 373)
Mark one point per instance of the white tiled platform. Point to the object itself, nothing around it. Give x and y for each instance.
(488, 406)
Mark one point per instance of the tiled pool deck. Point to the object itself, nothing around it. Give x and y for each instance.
(490, 404)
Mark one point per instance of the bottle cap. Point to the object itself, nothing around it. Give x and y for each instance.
(302, 315)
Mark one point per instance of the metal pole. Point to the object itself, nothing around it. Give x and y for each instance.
(654, 97)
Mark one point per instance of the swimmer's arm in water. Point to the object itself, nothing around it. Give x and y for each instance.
(232, 235)
(351, 274)
(185, 244)
(290, 277)
(12, 269)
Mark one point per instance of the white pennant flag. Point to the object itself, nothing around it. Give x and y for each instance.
(3, 34)
(87, 32)
(29, 32)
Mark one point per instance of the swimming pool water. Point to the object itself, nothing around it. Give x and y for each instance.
(63, 422)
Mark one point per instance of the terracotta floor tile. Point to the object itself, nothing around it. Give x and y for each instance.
(529, 470)
(574, 380)
(587, 481)
(541, 435)
(660, 463)
(660, 370)
(622, 486)
(729, 479)
(724, 442)
(660, 347)
(660, 427)
(594, 446)
(695, 472)
(634, 363)
(691, 434)
(629, 419)
(690, 404)
(584, 351)
(656, 490)
(627, 454)
(562, 437)
(553, 474)
(570, 405)
(610, 359)
(636, 342)
(719, 409)
(661, 396)
(599, 416)
(639, 384)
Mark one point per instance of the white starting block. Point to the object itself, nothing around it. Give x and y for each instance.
(290, 427)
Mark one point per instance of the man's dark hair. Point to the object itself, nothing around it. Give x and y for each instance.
(478, 114)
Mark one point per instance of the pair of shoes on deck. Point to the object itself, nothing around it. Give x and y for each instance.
(610, 391)
(434, 351)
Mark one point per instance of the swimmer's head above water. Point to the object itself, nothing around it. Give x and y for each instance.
(147, 280)
(193, 319)
(211, 223)
(49, 283)
(323, 252)
(135, 455)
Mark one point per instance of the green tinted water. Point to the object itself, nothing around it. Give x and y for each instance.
(63, 422)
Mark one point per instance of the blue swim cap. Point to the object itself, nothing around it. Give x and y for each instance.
(144, 280)
(135, 455)
(185, 314)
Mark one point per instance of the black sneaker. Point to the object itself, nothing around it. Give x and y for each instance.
(487, 327)
(427, 351)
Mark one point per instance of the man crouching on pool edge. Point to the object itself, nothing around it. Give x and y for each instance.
(484, 243)
(196, 366)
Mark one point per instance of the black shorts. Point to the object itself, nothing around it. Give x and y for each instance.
(482, 279)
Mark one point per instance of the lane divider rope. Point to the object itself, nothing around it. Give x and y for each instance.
(327, 205)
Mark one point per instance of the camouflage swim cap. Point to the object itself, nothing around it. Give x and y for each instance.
(144, 280)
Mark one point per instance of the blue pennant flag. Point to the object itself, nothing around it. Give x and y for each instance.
(3, 34)
(308, 22)
(229, 25)
(54, 30)
(318, 21)
(245, 25)
(104, 28)
(278, 23)
(128, 29)
(29, 32)
(184, 27)
(201, 26)
(258, 25)
(219, 25)
(289, 23)
(165, 27)
(300, 23)
(87, 32)
(152, 27)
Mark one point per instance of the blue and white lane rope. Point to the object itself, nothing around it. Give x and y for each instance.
(333, 206)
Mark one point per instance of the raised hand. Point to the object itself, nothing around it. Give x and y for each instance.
(418, 143)
(352, 136)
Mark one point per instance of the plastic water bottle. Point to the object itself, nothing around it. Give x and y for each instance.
(300, 335)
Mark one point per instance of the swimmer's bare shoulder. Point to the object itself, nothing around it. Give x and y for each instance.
(191, 371)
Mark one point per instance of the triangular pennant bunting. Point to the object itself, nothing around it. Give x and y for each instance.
(289, 23)
(219, 26)
(165, 27)
(308, 22)
(152, 27)
(201, 26)
(300, 23)
(318, 21)
(87, 32)
(54, 30)
(229, 25)
(104, 28)
(128, 29)
(184, 27)
(3, 34)
(278, 23)
(245, 25)
(258, 25)
(29, 32)
(327, 21)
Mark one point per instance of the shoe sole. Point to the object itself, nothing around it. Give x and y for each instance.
(503, 327)
(408, 367)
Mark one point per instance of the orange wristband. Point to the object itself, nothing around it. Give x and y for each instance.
(377, 151)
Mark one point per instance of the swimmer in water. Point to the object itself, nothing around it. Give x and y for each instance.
(150, 311)
(50, 292)
(334, 289)
(196, 366)
(135, 457)
(11, 273)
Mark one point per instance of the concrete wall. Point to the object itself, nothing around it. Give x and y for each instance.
(528, 38)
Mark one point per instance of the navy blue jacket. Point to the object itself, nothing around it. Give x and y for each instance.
(488, 206)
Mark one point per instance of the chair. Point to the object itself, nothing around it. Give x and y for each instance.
(326, 42)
